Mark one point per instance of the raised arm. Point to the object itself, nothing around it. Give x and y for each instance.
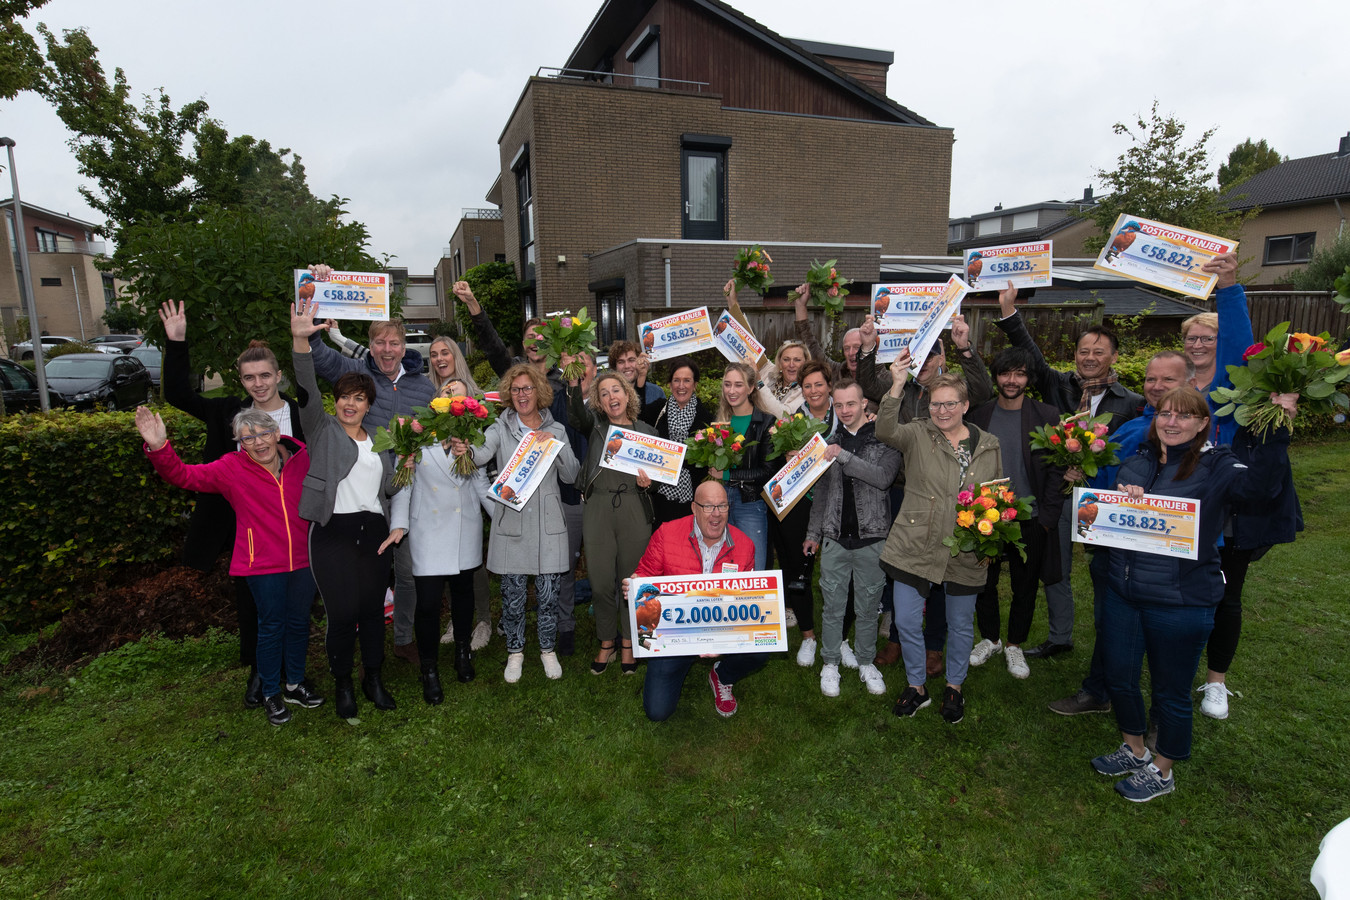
(485, 332)
(1042, 376)
(874, 380)
(801, 325)
(578, 413)
(303, 330)
(177, 376)
(979, 387)
(209, 478)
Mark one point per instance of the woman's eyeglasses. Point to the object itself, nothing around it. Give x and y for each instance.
(523, 390)
(944, 405)
(1202, 339)
(258, 436)
(1169, 416)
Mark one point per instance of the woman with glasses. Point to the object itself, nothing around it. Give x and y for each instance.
(1163, 605)
(675, 418)
(532, 540)
(738, 409)
(346, 497)
(262, 483)
(616, 518)
(943, 454)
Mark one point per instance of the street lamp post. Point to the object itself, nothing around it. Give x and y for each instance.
(26, 282)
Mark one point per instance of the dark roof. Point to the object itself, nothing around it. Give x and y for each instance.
(1121, 301)
(1069, 205)
(1021, 236)
(617, 18)
(1305, 180)
(51, 213)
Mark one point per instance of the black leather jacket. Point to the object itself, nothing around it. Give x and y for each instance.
(755, 470)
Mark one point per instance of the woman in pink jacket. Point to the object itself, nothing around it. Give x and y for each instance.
(262, 483)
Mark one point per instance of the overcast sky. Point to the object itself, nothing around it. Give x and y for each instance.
(398, 106)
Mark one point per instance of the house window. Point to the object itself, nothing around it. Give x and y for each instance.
(109, 290)
(1289, 248)
(459, 265)
(992, 225)
(525, 199)
(499, 257)
(644, 54)
(50, 241)
(1025, 220)
(51, 282)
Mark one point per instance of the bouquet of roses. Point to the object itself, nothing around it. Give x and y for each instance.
(459, 417)
(716, 447)
(406, 436)
(565, 333)
(790, 434)
(827, 287)
(1285, 363)
(1077, 442)
(986, 521)
(752, 269)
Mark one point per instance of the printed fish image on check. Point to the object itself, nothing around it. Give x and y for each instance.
(732, 612)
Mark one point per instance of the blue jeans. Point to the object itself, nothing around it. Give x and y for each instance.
(665, 679)
(1173, 637)
(960, 639)
(284, 601)
(753, 519)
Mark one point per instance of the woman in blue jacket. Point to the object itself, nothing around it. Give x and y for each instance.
(1164, 605)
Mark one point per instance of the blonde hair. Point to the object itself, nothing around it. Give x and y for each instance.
(1206, 319)
(395, 325)
(724, 412)
(630, 410)
(461, 371)
(543, 391)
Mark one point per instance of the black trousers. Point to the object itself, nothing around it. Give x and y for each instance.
(1025, 579)
(786, 537)
(427, 616)
(352, 577)
(1223, 640)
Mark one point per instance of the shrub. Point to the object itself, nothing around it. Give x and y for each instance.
(68, 347)
(81, 496)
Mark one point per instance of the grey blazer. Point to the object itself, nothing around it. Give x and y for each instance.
(331, 452)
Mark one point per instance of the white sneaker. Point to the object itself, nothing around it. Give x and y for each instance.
(449, 636)
(806, 654)
(1017, 662)
(871, 676)
(482, 635)
(829, 680)
(790, 619)
(1215, 704)
(980, 653)
(552, 668)
(847, 658)
(515, 662)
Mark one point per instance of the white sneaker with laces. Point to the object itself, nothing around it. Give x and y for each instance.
(552, 668)
(1215, 704)
(1017, 662)
(871, 676)
(482, 635)
(806, 654)
(515, 663)
(829, 680)
(847, 658)
(981, 652)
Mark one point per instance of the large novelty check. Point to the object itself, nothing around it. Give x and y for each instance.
(1169, 526)
(729, 612)
(792, 482)
(677, 335)
(736, 342)
(363, 296)
(628, 451)
(1162, 255)
(530, 463)
(1025, 265)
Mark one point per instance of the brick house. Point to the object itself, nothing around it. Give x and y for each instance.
(1303, 205)
(70, 293)
(1059, 221)
(680, 130)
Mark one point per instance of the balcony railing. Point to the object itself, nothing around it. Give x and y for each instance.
(672, 84)
(479, 213)
(87, 248)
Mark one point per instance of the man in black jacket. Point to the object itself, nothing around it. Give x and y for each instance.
(1011, 418)
(1094, 387)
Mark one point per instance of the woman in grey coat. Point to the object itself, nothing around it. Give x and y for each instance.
(531, 540)
(441, 515)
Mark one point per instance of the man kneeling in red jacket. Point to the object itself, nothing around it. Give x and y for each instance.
(701, 544)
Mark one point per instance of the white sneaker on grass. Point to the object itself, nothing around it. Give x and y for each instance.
(1017, 662)
(482, 635)
(515, 662)
(1215, 704)
(449, 636)
(829, 680)
(806, 654)
(847, 658)
(981, 652)
(552, 668)
(871, 676)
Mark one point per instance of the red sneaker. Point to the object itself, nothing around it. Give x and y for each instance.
(723, 699)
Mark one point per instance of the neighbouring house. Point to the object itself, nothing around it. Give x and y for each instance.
(1302, 208)
(678, 131)
(477, 239)
(69, 291)
(422, 305)
(1058, 221)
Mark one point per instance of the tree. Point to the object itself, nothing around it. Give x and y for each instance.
(498, 292)
(1159, 177)
(20, 60)
(1247, 159)
(123, 318)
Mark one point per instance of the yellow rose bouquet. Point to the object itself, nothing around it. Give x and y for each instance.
(986, 521)
(462, 417)
(566, 334)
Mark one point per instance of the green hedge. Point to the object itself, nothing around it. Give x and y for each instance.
(80, 496)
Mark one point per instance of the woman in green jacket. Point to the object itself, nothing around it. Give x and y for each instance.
(943, 454)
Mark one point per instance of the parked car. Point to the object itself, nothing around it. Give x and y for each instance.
(421, 342)
(116, 343)
(21, 389)
(25, 349)
(89, 380)
(150, 357)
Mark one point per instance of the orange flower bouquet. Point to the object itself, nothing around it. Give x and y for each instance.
(1285, 363)
(1077, 441)
(986, 521)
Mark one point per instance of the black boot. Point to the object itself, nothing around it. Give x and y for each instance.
(373, 686)
(253, 695)
(344, 697)
(431, 684)
(463, 663)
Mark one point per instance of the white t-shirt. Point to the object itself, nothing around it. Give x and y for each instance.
(360, 490)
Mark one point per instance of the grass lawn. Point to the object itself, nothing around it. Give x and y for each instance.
(142, 775)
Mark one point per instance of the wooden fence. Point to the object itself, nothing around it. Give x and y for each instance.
(1312, 312)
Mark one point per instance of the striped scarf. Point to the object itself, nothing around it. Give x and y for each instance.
(680, 419)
